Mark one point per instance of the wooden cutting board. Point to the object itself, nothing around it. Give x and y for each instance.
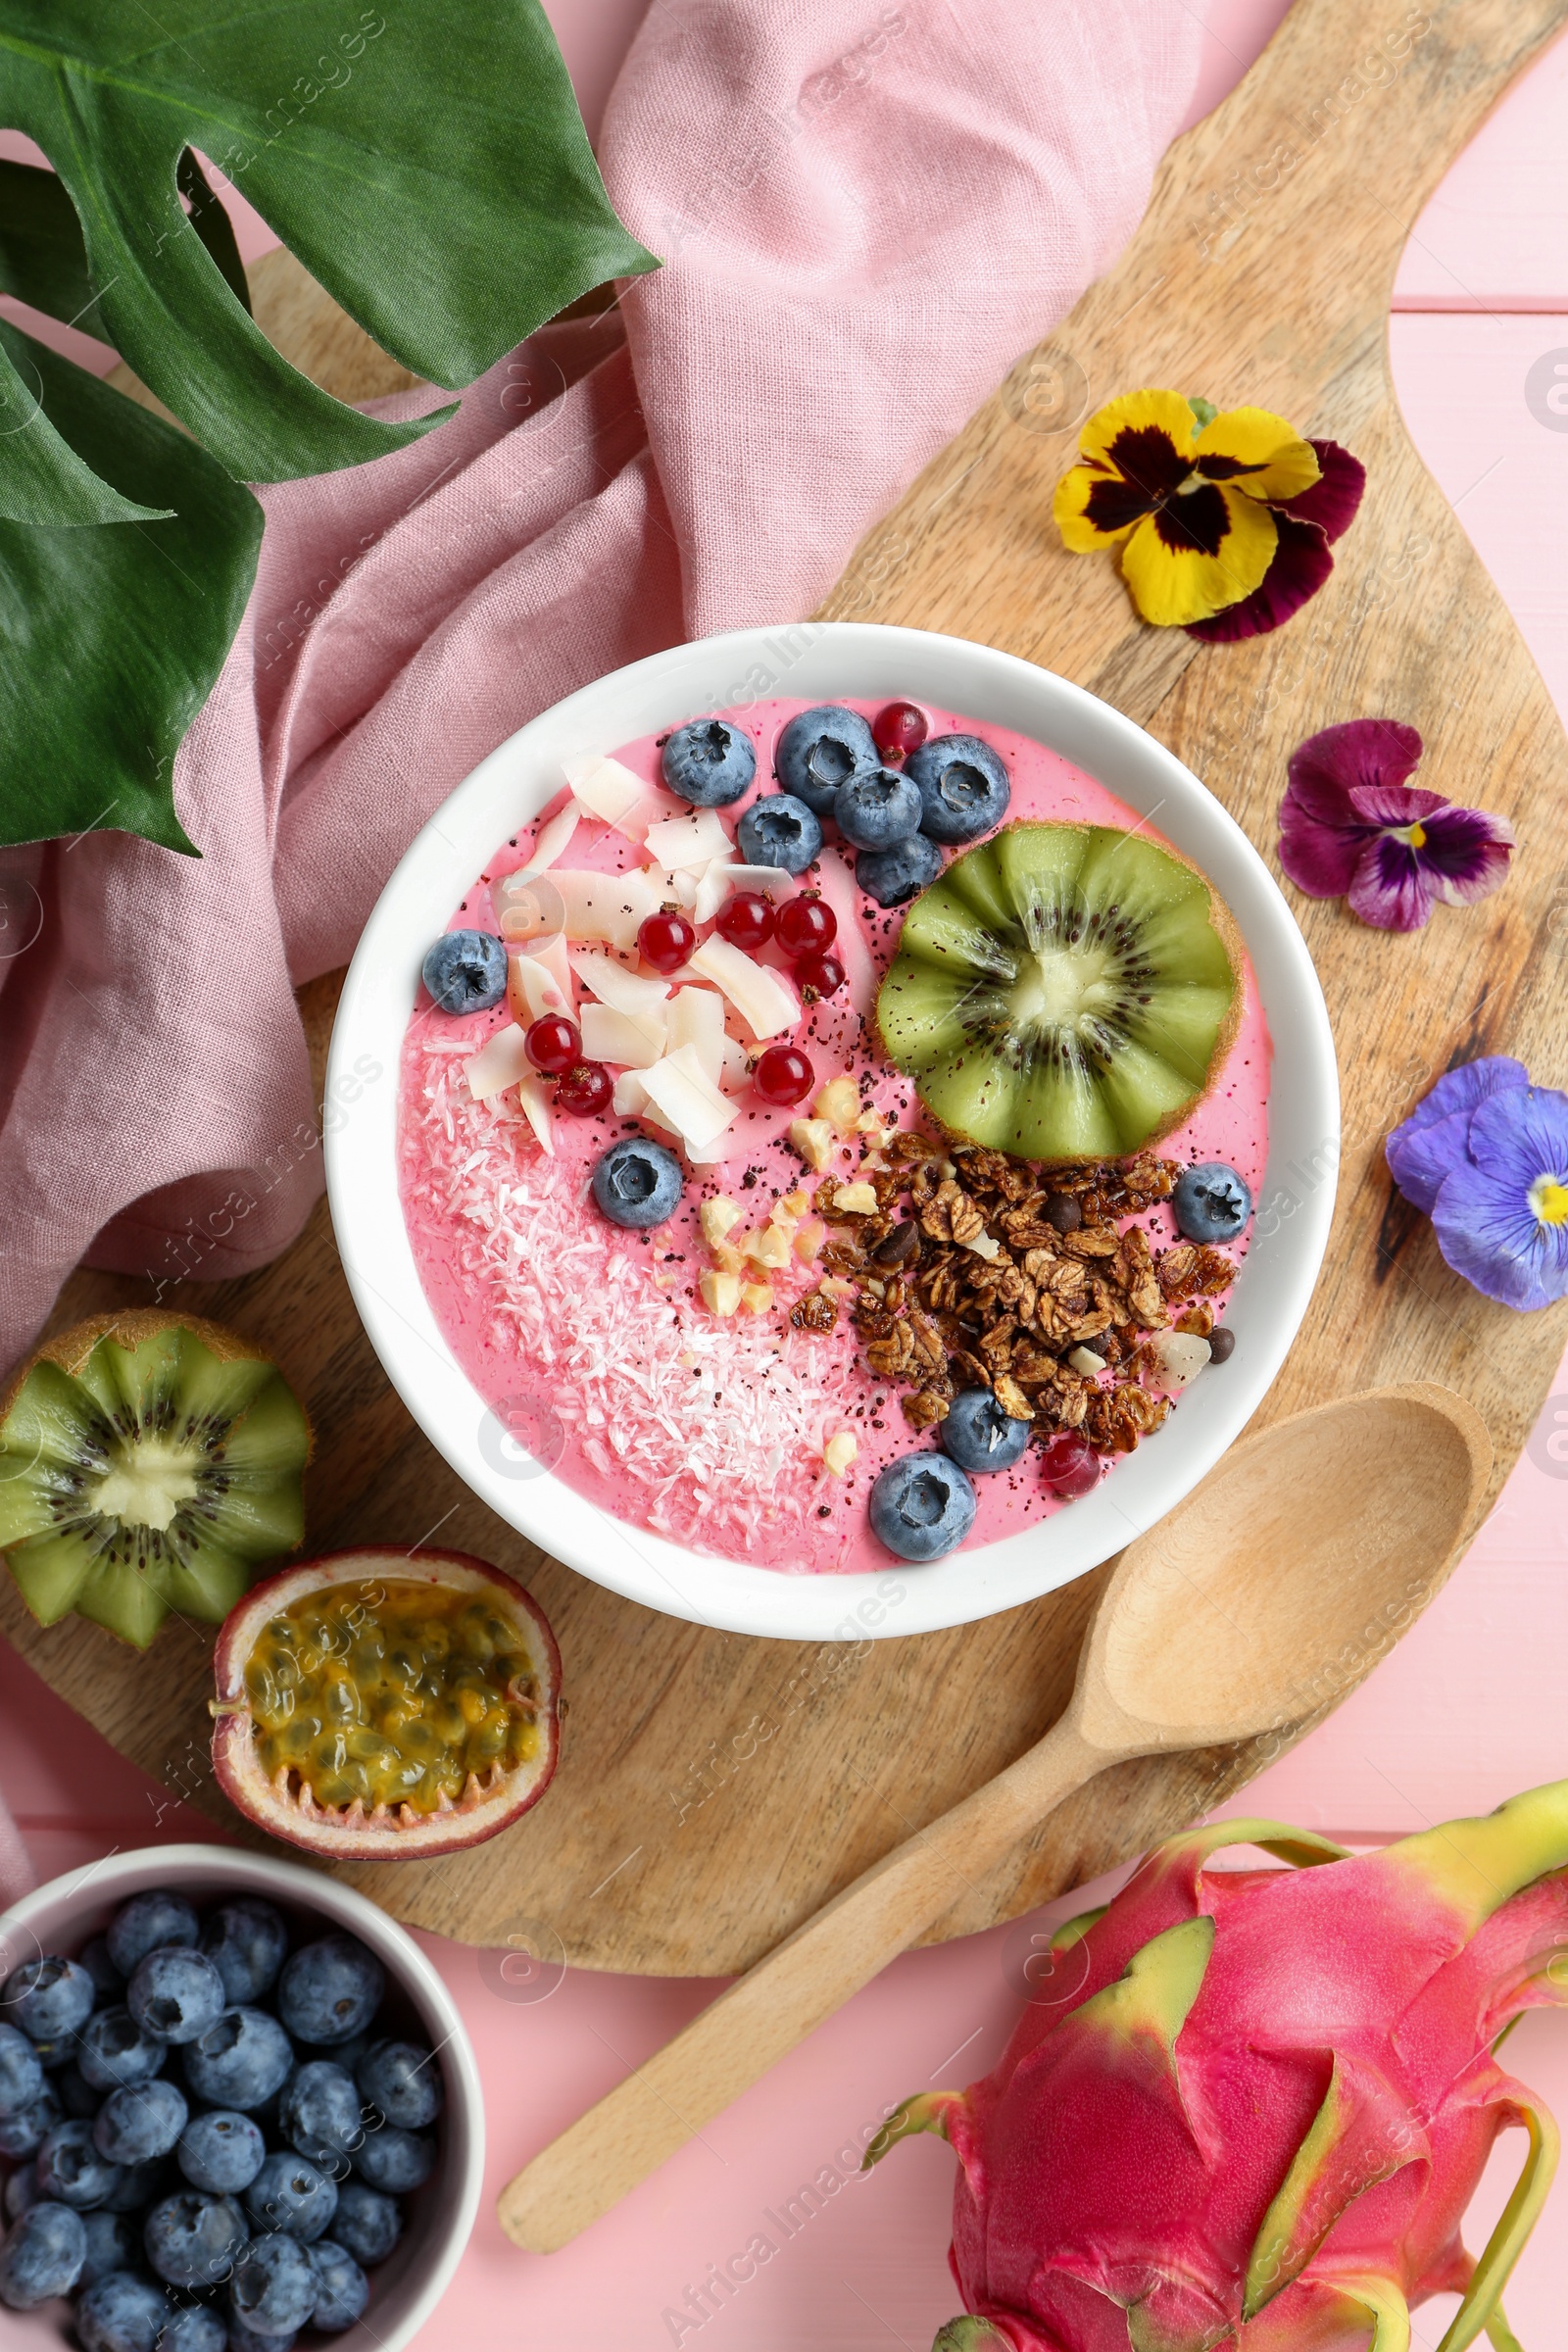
(715, 1790)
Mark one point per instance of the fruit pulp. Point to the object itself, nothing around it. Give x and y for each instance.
(391, 1693)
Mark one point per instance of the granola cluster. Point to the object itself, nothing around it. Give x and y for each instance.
(1007, 1276)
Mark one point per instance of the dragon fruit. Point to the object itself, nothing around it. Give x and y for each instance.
(1257, 2111)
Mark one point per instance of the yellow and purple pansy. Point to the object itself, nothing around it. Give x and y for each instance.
(1352, 827)
(1224, 518)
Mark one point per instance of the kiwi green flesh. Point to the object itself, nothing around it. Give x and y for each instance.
(149, 1480)
(1060, 992)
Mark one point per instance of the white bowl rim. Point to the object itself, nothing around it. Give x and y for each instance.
(230, 1869)
(820, 661)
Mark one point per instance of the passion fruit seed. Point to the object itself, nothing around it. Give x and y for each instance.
(392, 1693)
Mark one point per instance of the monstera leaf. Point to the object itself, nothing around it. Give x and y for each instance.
(425, 161)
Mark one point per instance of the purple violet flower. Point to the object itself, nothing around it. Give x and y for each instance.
(1485, 1154)
(1351, 826)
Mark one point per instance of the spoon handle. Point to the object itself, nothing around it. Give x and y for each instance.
(763, 2014)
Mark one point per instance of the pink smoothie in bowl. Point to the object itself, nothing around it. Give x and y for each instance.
(749, 1434)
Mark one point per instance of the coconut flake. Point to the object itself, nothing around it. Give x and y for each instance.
(606, 789)
(630, 1039)
(761, 995)
(688, 841)
(617, 984)
(499, 1063)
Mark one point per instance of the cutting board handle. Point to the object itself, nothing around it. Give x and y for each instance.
(1377, 101)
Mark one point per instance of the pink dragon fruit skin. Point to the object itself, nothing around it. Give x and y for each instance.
(1258, 2116)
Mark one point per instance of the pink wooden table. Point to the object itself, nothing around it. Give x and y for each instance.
(1469, 1709)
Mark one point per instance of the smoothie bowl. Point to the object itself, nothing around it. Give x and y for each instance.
(833, 1131)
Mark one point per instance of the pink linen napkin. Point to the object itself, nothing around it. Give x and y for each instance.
(866, 214)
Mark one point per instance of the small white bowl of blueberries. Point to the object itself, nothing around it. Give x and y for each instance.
(239, 2111)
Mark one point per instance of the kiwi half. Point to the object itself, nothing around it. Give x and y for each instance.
(147, 1465)
(1063, 992)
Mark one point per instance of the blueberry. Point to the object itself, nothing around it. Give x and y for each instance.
(20, 2075)
(1211, 1202)
(402, 2081)
(819, 750)
(246, 1941)
(108, 1982)
(76, 2093)
(319, 2113)
(113, 2243)
(21, 2190)
(221, 2151)
(121, 2313)
(708, 763)
(877, 808)
(139, 2186)
(465, 971)
(921, 1506)
(368, 2224)
(194, 2329)
(978, 1433)
(250, 2339)
(638, 1183)
(239, 2062)
(147, 1924)
(48, 1998)
(135, 2126)
(177, 1994)
(192, 2240)
(274, 2288)
(330, 1990)
(72, 2168)
(342, 2290)
(963, 787)
(22, 2134)
(779, 830)
(894, 876)
(395, 2161)
(114, 2051)
(293, 2195)
(43, 2257)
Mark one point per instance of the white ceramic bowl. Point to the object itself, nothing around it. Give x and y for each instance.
(406, 2288)
(816, 662)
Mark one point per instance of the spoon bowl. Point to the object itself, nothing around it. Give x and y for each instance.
(1284, 1576)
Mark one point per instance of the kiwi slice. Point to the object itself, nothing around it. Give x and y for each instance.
(1063, 992)
(147, 1465)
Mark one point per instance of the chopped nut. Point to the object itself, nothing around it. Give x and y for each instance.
(768, 1245)
(810, 1235)
(813, 1140)
(1084, 1361)
(797, 1203)
(1011, 1398)
(837, 1288)
(983, 1246)
(716, 1216)
(757, 1297)
(721, 1291)
(841, 1449)
(728, 1258)
(839, 1102)
(813, 1312)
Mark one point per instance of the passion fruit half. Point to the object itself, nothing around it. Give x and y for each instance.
(378, 1705)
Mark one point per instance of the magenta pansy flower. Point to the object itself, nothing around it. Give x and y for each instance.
(1486, 1156)
(1352, 827)
(1307, 525)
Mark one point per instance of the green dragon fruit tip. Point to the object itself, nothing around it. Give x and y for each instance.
(1478, 1864)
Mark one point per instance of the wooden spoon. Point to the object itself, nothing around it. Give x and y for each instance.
(1278, 1583)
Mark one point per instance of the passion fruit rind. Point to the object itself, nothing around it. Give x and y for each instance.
(282, 1800)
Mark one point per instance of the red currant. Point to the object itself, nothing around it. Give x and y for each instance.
(666, 938)
(821, 975)
(583, 1090)
(899, 730)
(746, 920)
(783, 1076)
(1069, 1465)
(553, 1044)
(805, 927)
